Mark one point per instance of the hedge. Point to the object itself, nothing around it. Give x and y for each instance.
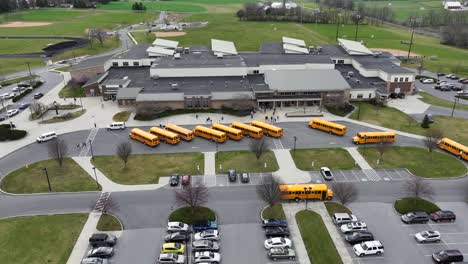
(26, 92)
(10, 134)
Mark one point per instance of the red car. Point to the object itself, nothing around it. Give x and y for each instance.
(444, 215)
(186, 180)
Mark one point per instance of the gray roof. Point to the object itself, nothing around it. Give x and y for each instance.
(198, 59)
(91, 63)
(380, 63)
(128, 93)
(256, 59)
(271, 47)
(231, 95)
(142, 97)
(135, 53)
(363, 83)
(306, 80)
(116, 81)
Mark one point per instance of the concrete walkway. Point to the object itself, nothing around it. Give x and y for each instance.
(362, 162)
(288, 172)
(110, 186)
(82, 244)
(210, 163)
(290, 210)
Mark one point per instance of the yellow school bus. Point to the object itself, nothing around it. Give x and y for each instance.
(306, 191)
(211, 134)
(268, 129)
(374, 137)
(248, 130)
(461, 151)
(185, 134)
(165, 135)
(144, 137)
(327, 126)
(232, 133)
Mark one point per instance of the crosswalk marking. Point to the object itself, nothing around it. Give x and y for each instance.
(277, 143)
(371, 175)
(101, 203)
(92, 135)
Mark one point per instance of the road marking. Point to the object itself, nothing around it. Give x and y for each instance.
(364, 179)
(386, 179)
(277, 143)
(344, 175)
(89, 140)
(101, 202)
(357, 178)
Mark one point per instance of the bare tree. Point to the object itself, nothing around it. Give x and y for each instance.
(259, 146)
(382, 147)
(37, 108)
(270, 192)
(124, 150)
(192, 196)
(432, 138)
(345, 192)
(418, 187)
(57, 149)
(110, 205)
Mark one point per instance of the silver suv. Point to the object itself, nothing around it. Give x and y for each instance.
(343, 218)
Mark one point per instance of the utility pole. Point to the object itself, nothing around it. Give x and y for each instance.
(358, 17)
(294, 149)
(337, 25)
(412, 35)
(30, 74)
(47, 176)
(95, 176)
(454, 105)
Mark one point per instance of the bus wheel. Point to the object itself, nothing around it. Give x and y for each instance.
(329, 132)
(296, 199)
(459, 157)
(329, 198)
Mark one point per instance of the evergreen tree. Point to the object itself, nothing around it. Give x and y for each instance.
(425, 122)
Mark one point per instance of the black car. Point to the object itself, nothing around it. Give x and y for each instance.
(448, 256)
(440, 74)
(415, 218)
(232, 175)
(358, 237)
(274, 223)
(177, 237)
(38, 95)
(276, 232)
(2, 118)
(102, 240)
(244, 177)
(174, 180)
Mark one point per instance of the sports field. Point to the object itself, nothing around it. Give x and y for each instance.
(404, 9)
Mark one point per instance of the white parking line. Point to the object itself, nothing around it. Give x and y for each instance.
(357, 178)
(398, 173)
(440, 224)
(461, 233)
(368, 257)
(344, 175)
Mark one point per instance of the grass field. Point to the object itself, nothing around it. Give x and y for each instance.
(108, 222)
(39, 239)
(334, 208)
(14, 46)
(417, 160)
(393, 118)
(96, 48)
(317, 240)
(121, 116)
(405, 9)
(245, 161)
(430, 99)
(18, 64)
(69, 92)
(412, 204)
(335, 159)
(275, 212)
(147, 168)
(32, 179)
(67, 117)
(156, 6)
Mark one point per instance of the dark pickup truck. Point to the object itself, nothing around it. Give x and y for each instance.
(204, 225)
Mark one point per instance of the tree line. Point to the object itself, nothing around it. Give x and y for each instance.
(13, 5)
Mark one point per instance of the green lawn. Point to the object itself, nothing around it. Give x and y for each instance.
(334, 158)
(96, 48)
(121, 116)
(18, 64)
(405, 9)
(317, 240)
(333, 208)
(393, 118)
(417, 160)
(433, 100)
(275, 212)
(17, 80)
(412, 204)
(14, 46)
(39, 239)
(108, 222)
(32, 179)
(147, 168)
(170, 6)
(184, 215)
(67, 117)
(245, 161)
(69, 92)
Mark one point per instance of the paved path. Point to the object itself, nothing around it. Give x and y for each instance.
(82, 244)
(361, 161)
(290, 210)
(210, 164)
(288, 172)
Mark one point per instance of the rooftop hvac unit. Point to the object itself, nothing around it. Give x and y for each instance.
(186, 50)
(219, 55)
(358, 81)
(177, 56)
(174, 86)
(311, 48)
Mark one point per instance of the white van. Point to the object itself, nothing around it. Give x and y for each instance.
(46, 137)
(116, 126)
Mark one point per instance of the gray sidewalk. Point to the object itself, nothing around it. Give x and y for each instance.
(288, 172)
(361, 161)
(210, 163)
(82, 243)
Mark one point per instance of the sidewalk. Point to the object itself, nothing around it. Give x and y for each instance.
(288, 172)
(210, 164)
(359, 158)
(81, 245)
(290, 210)
(110, 186)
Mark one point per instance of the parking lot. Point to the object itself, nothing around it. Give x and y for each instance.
(365, 175)
(398, 238)
(221, 180)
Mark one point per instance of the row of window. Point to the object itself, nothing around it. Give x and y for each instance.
(453, 147)
(327, 126)
(406, 79)
(376, 137)
(125, 63)
(302, 192)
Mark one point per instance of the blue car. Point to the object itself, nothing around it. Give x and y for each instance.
(23, 106)
(274, 223)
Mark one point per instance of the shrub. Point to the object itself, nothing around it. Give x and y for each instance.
(10, 134)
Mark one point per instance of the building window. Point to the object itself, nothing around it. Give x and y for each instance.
(370, 95)
(136, 63)
(125, 63)
(340, 61)
(406, 79)
(256, 72)
(360, 96)
(396, 79)
(115, 64)
(401, 79)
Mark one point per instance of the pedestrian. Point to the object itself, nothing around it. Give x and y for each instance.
(277, 117)
(274, 120)
(222, 117)
(196, 116)
(84, 144)
(266, 118)
(65, 99)
(94, 124)
(251, 116)
(78, 145)
(74, 99)
(160, 125)
(271, 118)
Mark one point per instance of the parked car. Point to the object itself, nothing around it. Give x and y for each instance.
(445, 87)
(18, 88)
(415, 218)
(447, 256)
(450, 76)
(177, 227)
(427, 80)
(200, 226)
(464, 81)
(207, 256)
(102, 240)
(274, 222)
(463, 93)
(440, 82)
(281, 253)
(277, 231)
(101, 252)
(7, 95)
(359, 237)
(343, 218)
(186, 180)
(276, 242)
(23, 106)
(172, 247)
(94, 261)
(440, 74)
(351, 227)
(427, 236)
(444, 215)
(373, 247)
(12, 112)
(232, 175)
(205, 245)
(2, 118)
(171, 258)
(174, 180)
(244, 177)
(456, 87)
(453, 77)
(46, 137)
(177, 237)
(116, 126)
(38, 95)
(207, 235)
(326, 173)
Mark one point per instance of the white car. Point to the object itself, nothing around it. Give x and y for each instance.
(177, 227)
(368, 248)
(171, 258)
(7, 95)
(94, 261)
(12, 112)
(352, 227)
(428, 81)
(116, 126)
(207, 257)
(463, 92)
(326, 173)
(207, 235)
(427, 236)
(276, 242)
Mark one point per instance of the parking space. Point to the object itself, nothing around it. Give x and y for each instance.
(143, 245)
(221, 180)
(364, 176)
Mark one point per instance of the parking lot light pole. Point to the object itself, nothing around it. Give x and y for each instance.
(294, 149)
(95, 176)
(47, 176)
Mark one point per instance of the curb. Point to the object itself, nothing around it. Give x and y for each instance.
(393, 207)
(427, 178)
(28, 215)
(261, 212)
(48, 193)
(118, 220)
